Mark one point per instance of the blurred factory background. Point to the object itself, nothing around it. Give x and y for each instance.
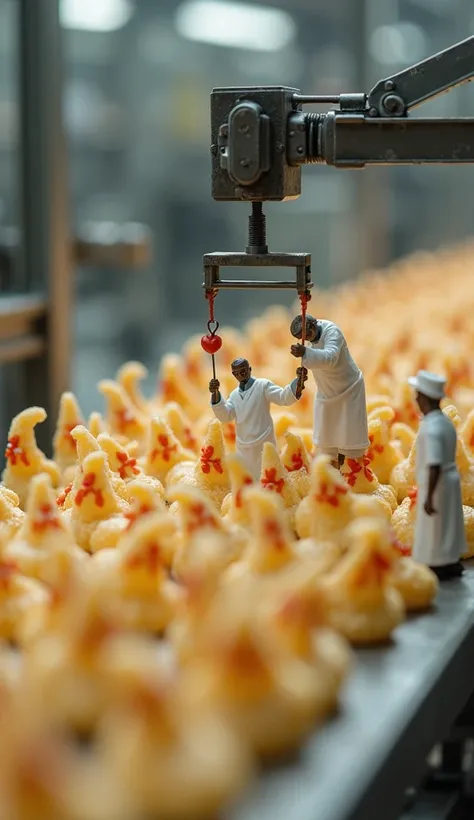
(133, 189)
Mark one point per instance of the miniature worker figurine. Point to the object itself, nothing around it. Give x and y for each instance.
(249, 406)
(439, 529)
(340, 410)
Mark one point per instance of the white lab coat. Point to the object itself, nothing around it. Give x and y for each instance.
(340, 409)
(250, 409)
(439, 538)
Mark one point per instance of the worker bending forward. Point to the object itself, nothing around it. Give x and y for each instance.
(340, 410)
(440, 538)
(249, 406)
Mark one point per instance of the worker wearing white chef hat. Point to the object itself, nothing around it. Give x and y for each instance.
(439, 530)
(340, 408)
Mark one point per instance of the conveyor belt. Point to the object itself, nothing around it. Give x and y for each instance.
(400, 701)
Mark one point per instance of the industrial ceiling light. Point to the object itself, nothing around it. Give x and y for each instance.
(95, 15)
(235, 25)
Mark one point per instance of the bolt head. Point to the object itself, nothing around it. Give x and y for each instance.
(373, 112)
(300, 149)
(389, 85)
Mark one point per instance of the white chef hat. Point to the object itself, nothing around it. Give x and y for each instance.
(429, 384)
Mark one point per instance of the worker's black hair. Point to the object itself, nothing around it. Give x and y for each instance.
(239, 362)
(297, 324)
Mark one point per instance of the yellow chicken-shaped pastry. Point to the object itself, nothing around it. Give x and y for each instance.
(65, 666)
(96, 508)
(143, 499)
(295, 460)
(125, 421)
(43, 778)
(276, 479)
(199, 579)
(181, 426)
(402, 477)
(174, 387)
(331, 505)
(233, 508)
(64, 446)
(382, 454)
(297, 616)
(402, 438)
(87, 444)
(96, 424)
(466, 433)
(406, 410)
(365, 606)
(362, 480)
(209, 473)
(269, 548)
(11, 516)
(268, 695)
(173, 761)
(198, 515)
(415, 582)
(23, 456)
(119, 458)
(163, 451)
(464, 462)
(135, 578)
(43, 526)
(126, 466)
(17, 594)
(129, 377)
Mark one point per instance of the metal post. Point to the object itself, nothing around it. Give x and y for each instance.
(45, 256)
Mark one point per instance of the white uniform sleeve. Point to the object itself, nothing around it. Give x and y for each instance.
(328, 356)
(433, 449)
(283, 396)
(224, 410)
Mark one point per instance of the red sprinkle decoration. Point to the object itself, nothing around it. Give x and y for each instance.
(165, 450)
(274, 531)
(14, 453)
(271, 482)
(297, 462)
(61, 499)
(208, 461)
(356, 468)
(200, 517)
(132, 516)
(124, 418)
(325, 497)
(413, 496)
(47, 520)
(7, 571)
(238, 495)
(373, 449)
(150, 558)
(66, 435)
(126, 463)
(89, 489)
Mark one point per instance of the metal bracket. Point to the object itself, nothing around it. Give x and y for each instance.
(300, 261)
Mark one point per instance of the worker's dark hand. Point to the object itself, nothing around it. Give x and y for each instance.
(428, 507)
(297, 351)
(214, 385)
(302, 373)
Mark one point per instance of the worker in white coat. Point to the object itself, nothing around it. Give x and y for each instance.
(440, 538)
(340, 409)
(249, 406)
